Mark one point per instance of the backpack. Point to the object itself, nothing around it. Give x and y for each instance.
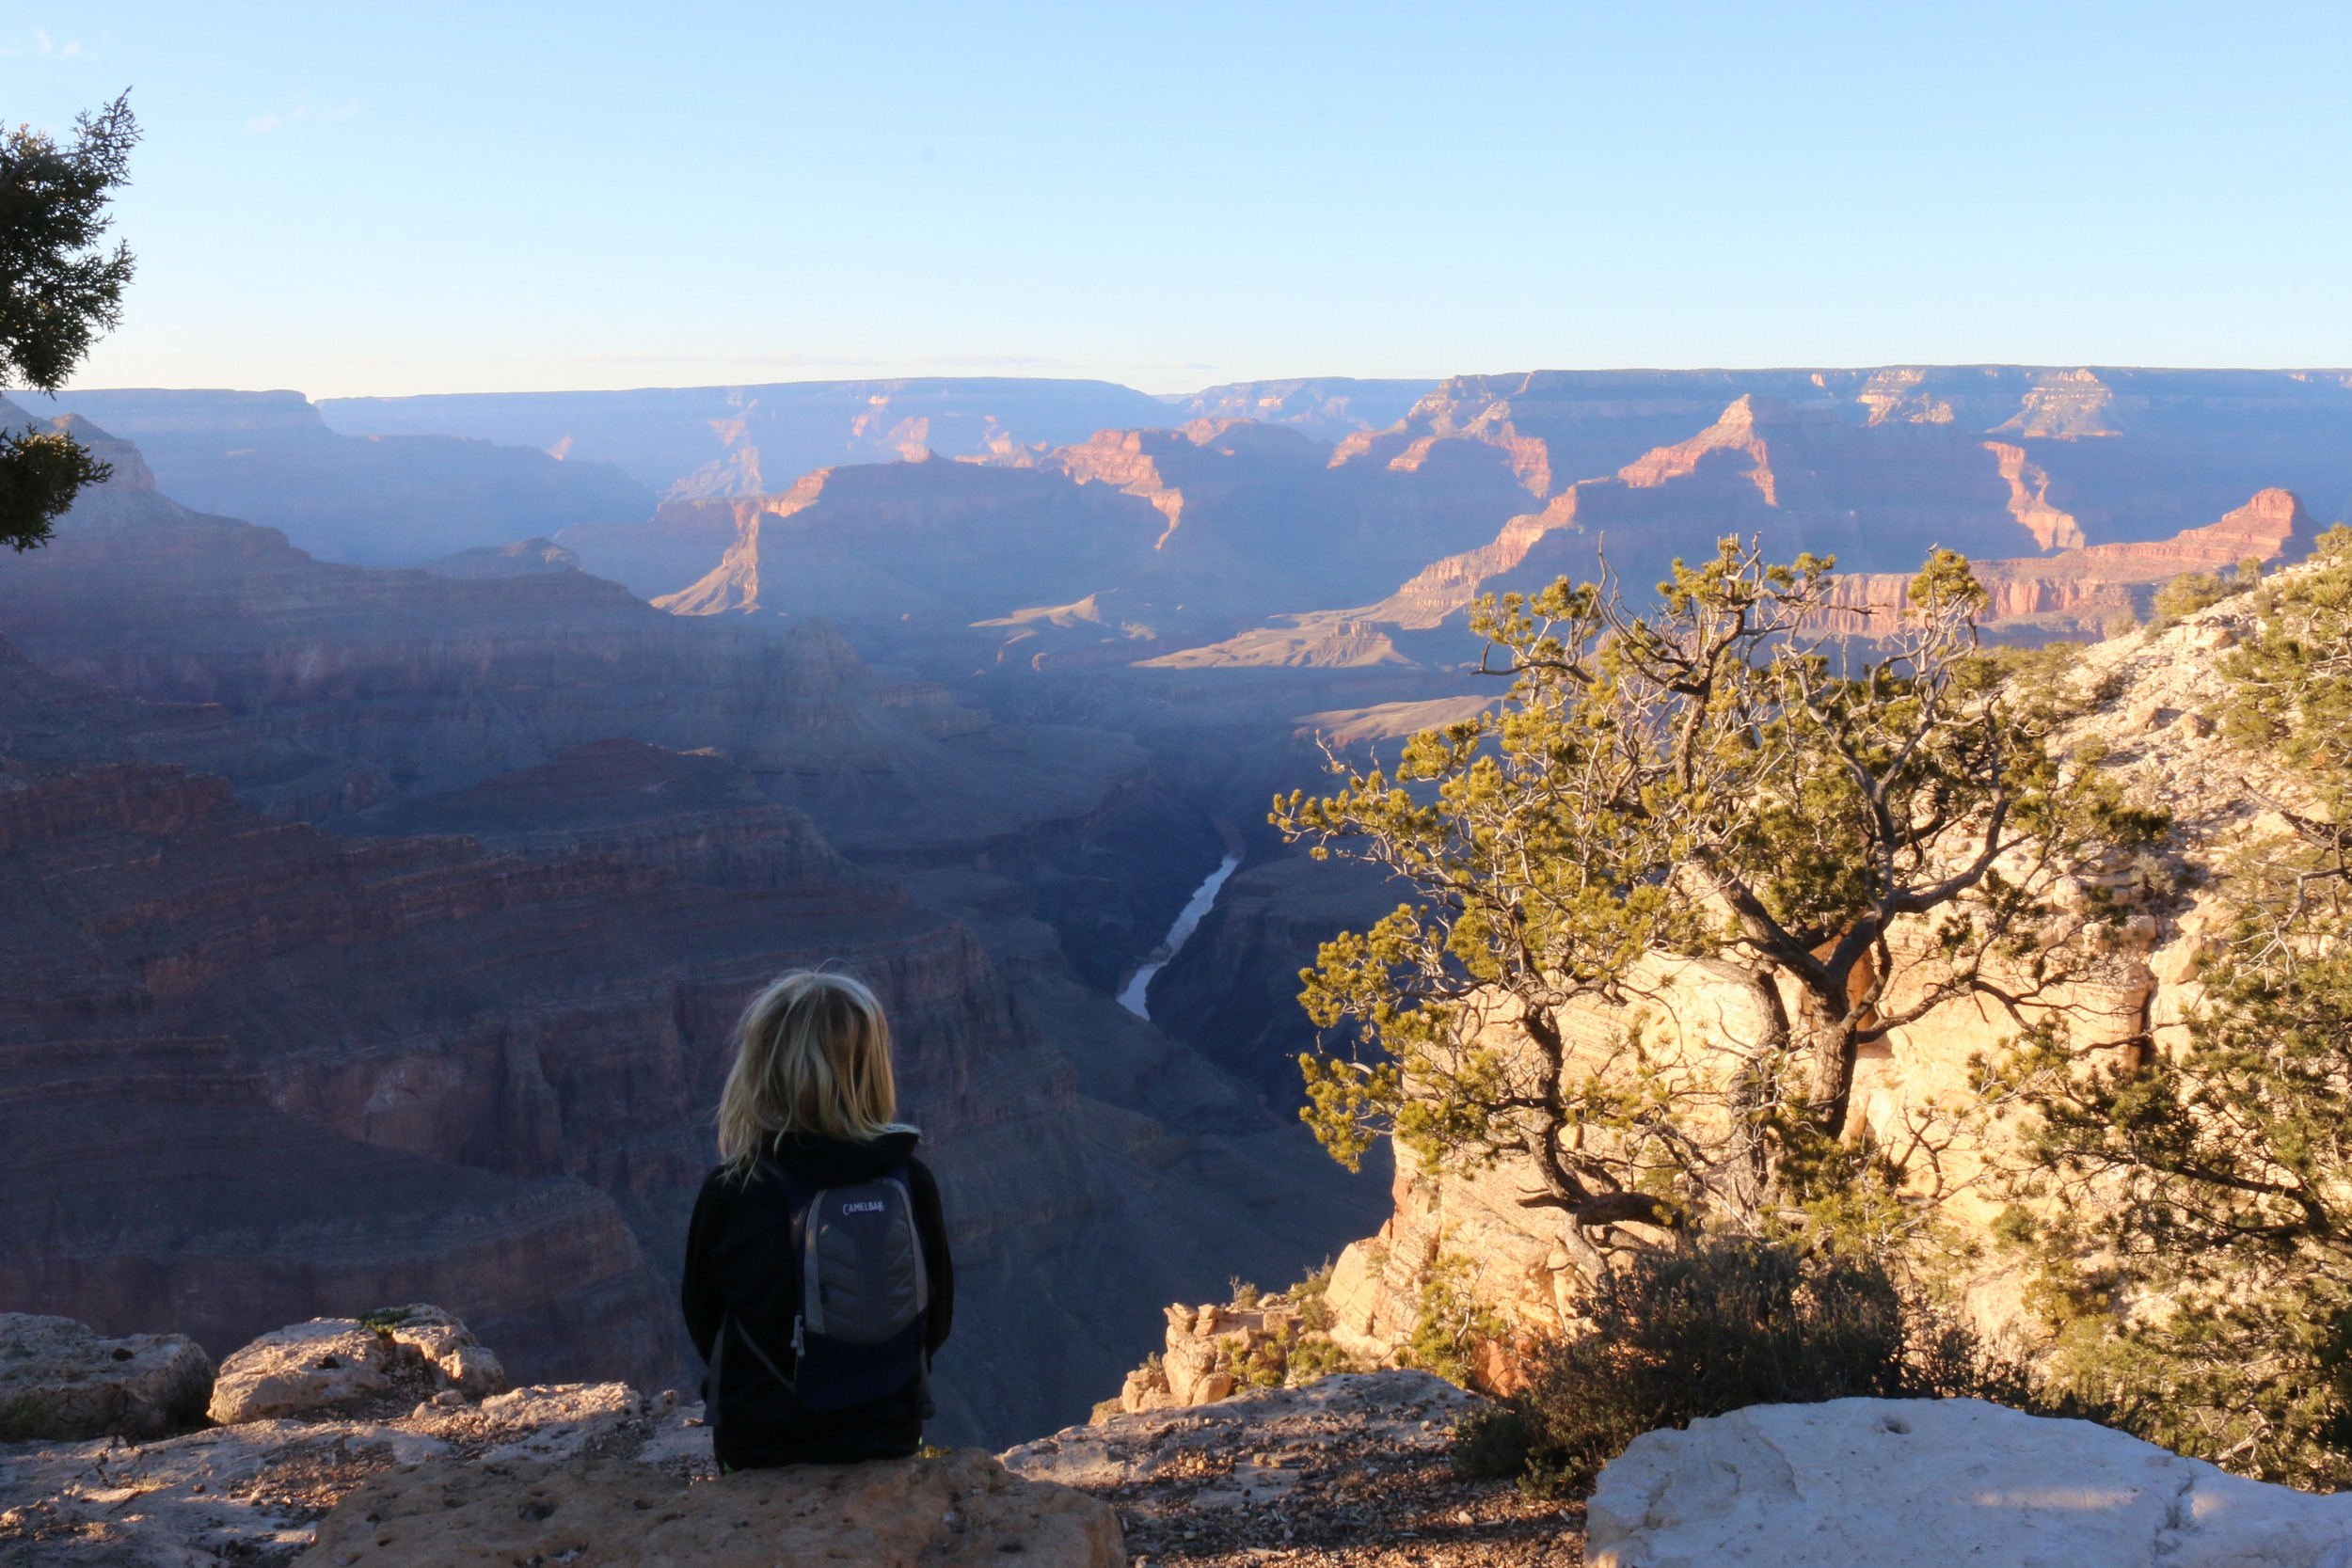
(862, 1295)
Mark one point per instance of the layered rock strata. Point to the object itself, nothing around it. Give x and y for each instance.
(1101, 552)
(2076, 591)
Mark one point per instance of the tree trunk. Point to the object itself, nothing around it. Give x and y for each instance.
(1748, 1162)
(1832, 1040)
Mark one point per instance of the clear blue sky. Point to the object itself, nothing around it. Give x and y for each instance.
(375, 198)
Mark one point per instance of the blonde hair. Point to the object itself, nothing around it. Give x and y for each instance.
(811, 1055)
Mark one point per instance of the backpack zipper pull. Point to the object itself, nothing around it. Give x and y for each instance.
(797, 1325)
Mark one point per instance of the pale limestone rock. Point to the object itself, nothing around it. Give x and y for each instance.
(561, 1419)
(183, 1502)
(1407, 1413)
(963, 1507)
(460, 1361)
(1921, 1483)
(1189, 1363)
(301, 1367)
(1200, 1341)
(59, 1379)
(328, 1361)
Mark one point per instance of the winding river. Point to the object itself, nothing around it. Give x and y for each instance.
(1187, 919)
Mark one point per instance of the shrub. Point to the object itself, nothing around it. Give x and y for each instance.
(1316, 1356)
(1722, 1324)
(1264, 1364)
(1312, 1296)
(1245, 1294)
(1491, 1443)
(2188, 593)
(1453, 1327)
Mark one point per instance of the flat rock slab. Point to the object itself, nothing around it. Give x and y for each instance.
(61, 1381)
(963, 1508)
(1934, 1482)
(1407, 1412)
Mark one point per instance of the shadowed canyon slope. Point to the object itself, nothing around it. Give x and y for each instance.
(469, 1038)
(381, 501)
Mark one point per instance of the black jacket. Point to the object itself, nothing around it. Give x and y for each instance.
(740, 1280)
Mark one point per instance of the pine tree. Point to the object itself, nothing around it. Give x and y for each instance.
(1696, 782)
(59, 290)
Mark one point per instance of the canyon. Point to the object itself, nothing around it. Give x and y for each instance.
(388, 867)
(443, 997)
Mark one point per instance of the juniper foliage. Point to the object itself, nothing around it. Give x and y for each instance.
(60, 288)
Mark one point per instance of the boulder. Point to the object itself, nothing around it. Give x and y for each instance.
(327, 1361)
(458, 1359)
(59, 1379)
(959, 1508)
(1892, 1483)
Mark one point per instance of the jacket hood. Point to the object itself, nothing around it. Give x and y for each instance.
(839, 1162)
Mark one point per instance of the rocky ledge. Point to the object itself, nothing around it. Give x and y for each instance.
(1353, 1469)
(392, 1440)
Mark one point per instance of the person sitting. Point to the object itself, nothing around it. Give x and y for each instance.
(818, 1284)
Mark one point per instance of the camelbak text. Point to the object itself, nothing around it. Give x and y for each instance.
(874, 1208)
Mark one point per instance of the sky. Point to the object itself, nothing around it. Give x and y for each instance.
(363, 198)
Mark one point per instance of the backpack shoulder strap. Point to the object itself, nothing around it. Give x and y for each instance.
(897, 1178)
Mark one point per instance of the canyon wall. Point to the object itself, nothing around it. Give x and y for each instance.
(467, 1032)
(1101, 552)
(687, 442)
(381, 501)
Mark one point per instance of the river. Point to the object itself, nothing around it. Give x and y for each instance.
(1188, 919)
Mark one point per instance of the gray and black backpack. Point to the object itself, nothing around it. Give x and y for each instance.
(862, 1297)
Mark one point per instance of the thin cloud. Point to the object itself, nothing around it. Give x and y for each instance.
(49, 48)
(305, 108)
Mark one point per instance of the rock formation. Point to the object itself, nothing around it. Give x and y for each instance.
(2076, 591)
(390, 500)
(1925, 1482)
(2000, 463)
(1103, 552)
(59, 1379)
(687, 442)
(331, 1361)
(524, 558)
(1328, 408)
